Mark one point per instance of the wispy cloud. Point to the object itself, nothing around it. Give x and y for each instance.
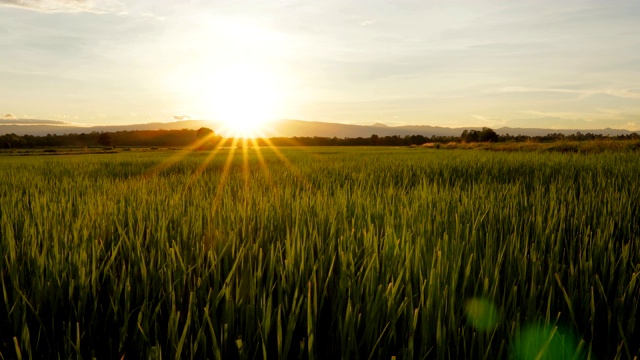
(14, 121)
(68, 6)
(621, 93)
(490, 120)
(367, 22)
(182, 117)
(556, 115)
(153, 17)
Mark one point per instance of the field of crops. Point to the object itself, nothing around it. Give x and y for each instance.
(322, 253)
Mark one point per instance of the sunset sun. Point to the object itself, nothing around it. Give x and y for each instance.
(243, 97)
(237, 81)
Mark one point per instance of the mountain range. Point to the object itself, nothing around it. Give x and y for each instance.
(283, 128)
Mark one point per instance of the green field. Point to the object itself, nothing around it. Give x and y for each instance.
(322, 253)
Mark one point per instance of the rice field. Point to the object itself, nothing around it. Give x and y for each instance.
(320, 253)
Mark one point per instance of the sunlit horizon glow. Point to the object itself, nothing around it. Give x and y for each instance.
(244, 130)
(242, 87)
(560, 65)
(243, 97)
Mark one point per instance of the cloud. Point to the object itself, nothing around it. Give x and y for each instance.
(153, 16)
(5, 120)
(523, 89)
(621, 93)
(68, 6)
(182, 117)
(491, 120)
(367, 22)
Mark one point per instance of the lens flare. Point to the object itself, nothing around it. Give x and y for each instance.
(481, 313)
(546, 342)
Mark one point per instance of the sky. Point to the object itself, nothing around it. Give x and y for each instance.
(547, 64)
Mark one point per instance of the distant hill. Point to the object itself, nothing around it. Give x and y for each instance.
(37, 129)
(288, 128)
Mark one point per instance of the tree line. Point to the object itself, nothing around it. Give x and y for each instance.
(144, 138)
(189, 137)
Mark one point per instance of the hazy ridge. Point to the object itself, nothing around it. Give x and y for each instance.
(290, 128)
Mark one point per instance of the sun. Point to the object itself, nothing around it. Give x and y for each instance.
(232, 74)
(244, 98)
(241, 96)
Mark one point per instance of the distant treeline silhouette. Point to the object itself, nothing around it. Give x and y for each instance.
(150, 138)
(187, 137)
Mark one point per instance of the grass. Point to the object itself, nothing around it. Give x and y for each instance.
(320, 253)
(561, 146)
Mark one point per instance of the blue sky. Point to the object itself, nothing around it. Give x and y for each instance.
(552, 64)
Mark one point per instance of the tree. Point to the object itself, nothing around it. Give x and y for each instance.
(104, 139)
(204, 133)
(470, 136)
(488, 135)
(205, 137)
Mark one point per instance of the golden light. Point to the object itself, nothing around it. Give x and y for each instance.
(236, 77)
(230, 71)
(244, 97)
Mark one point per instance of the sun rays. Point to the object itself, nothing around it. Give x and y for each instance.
(230, 150)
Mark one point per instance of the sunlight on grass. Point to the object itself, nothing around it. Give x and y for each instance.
(246, 251)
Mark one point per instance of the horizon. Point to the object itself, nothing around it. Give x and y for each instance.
(461, 64)
(291, 128)
(213, 123)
